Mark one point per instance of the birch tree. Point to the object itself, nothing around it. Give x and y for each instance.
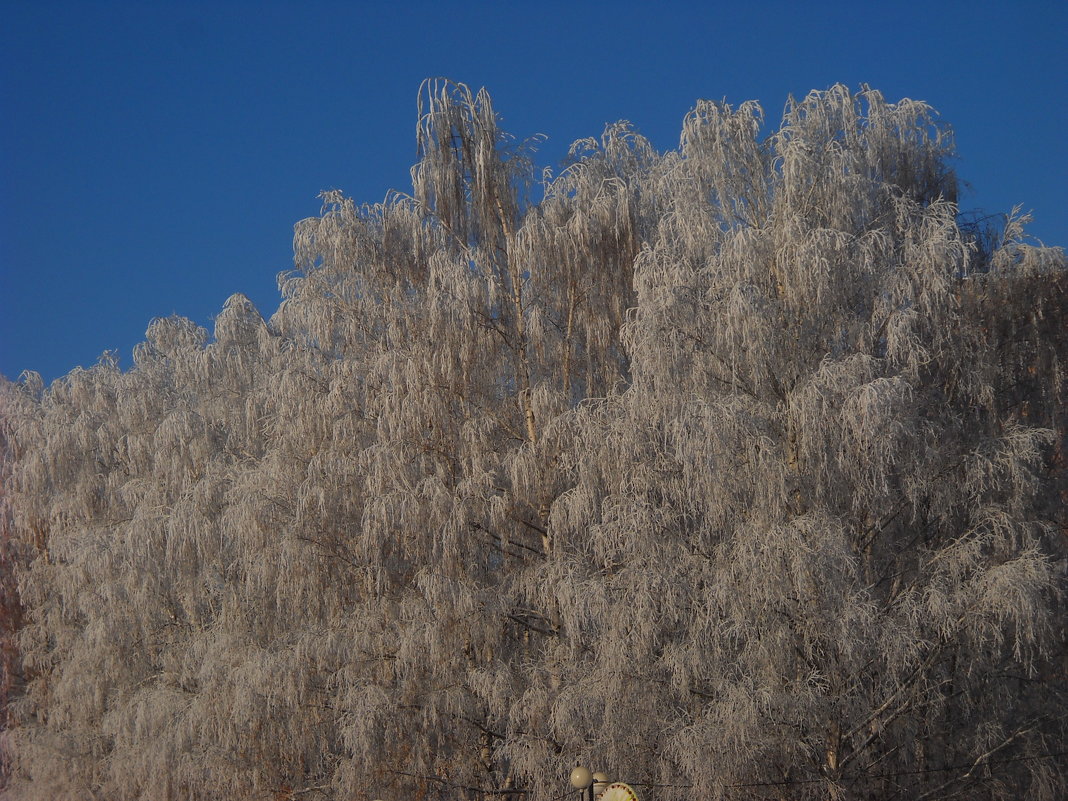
(807, 534)
(731, 470)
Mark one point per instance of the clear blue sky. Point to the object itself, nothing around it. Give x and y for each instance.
(154, 156)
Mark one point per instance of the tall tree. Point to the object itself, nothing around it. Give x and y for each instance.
(730, 469)
(10, 604)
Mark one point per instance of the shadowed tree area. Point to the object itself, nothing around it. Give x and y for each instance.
(737, 471)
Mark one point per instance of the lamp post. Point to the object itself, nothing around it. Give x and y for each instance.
(582, 779)
(600, 783)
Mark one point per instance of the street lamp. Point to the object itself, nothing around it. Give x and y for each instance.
(582, 779)
(600, 782)
(599, 785)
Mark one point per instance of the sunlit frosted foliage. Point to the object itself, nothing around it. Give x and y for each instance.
(737, 471)
(10, 604)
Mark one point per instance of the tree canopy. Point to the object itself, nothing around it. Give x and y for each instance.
(737, 471)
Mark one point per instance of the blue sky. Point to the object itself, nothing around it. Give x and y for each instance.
(154, 157)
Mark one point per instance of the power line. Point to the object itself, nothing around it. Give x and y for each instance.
(509, 791)
(866, 776)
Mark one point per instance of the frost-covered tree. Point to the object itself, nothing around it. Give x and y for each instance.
(732, 470)
(10, 606)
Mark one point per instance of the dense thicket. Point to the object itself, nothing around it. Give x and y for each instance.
(732, 470)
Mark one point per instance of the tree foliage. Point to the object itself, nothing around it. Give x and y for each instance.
(732, 470)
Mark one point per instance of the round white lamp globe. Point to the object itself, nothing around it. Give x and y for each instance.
(600, 782)
(581, 778)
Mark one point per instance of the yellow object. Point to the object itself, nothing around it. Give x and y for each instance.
(618, 791)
